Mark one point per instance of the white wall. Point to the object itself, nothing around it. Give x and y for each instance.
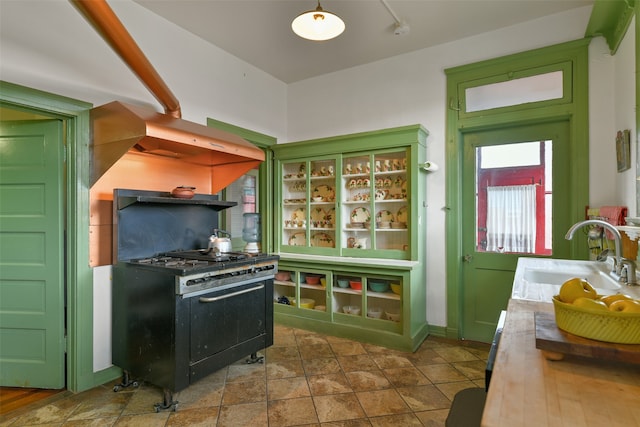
(411, 89)
(611, 108)
(49, 46)
(625, 116)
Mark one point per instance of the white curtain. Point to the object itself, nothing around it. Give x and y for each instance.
(511, 218)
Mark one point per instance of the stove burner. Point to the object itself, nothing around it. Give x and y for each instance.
(171, 261)
(206, 255)
(154, 260)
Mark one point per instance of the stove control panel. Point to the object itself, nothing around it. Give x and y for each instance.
(197, 284)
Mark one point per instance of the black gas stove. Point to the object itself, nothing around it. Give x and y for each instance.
(180, 314)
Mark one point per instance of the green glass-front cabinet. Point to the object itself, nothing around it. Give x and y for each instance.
(350, 229)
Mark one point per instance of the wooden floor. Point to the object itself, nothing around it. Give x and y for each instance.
(12, 398)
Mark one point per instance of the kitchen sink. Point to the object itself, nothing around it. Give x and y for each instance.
(597, 278)
(540, 279)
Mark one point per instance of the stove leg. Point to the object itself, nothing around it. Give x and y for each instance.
(254, 358)
(167, 402)
(126, 382)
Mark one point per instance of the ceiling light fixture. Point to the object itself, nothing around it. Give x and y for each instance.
(318, 24)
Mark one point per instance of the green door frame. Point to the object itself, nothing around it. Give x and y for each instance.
(265, 176)
(79, 276)
(573, 107)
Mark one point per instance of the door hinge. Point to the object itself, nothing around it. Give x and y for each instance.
(454, 104)
(64, 344)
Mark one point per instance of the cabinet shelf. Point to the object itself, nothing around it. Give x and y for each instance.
(367, 202)
(391, 187)
(367, 174)
(346, 291)
(280, 282)
(383, 295)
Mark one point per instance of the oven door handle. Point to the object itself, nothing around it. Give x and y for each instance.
(232, 294)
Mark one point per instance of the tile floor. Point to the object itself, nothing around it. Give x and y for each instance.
(308, 379)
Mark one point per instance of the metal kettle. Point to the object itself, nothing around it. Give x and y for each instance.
(217, 243)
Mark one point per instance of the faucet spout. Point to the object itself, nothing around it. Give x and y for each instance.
(612, 229)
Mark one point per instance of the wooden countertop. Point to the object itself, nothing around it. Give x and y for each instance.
(528, 390)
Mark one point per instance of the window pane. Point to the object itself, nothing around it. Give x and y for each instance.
(537, 88)
(514, 196)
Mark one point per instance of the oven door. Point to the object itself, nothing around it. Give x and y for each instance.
(229, 324)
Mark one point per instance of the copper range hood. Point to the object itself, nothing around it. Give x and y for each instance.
(118, 128)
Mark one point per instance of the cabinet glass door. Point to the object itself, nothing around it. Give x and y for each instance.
(391, 201)
(375, 203)
(322, 204)
(356, 202)
(309, 204)
(294, 204)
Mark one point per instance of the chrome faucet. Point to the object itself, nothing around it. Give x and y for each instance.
(618, 262)
(629, 272)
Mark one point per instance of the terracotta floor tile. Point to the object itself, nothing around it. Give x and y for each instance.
(321, 366)
(382, 402)
(200, 395)
(51, 413)
(338, 407)
(282, 353)
(315, 351)
(291, 412)
(442, 373)
(401, 377)
(287, 388)
(249, 414)
(387, 361)
(311, 339)
(198, 417)
(333, 340)
(110, 406)
(285, 369)
(329, 384)
(474, 370)
(247, 392)
(359, 362)
(245, 372)
(361, 422)
(143, 420)
(307, 379)
(368, 380)
(283, 336)
(142, 401)
(404, 420)
(455, 354)
(425, 357)
(96, 422)
(347, 348)
(435, 418)
(424, 398)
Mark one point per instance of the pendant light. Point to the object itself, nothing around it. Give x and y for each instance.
(317, 24)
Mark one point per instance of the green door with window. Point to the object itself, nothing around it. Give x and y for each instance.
(515, 203)
(32, 343)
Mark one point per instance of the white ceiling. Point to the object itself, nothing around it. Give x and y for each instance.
(259, 31)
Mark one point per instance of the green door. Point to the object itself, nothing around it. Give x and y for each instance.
(32, 332)
(515, 203)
